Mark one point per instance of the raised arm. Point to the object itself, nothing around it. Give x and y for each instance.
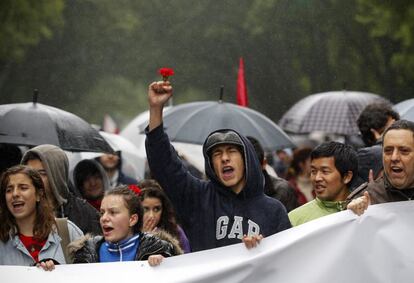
(166, 167)
(158, 95)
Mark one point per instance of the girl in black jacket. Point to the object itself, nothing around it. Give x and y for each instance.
(121, 222)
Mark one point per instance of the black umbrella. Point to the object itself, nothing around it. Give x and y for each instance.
(192, 122)
(334, 112)
(33, 124)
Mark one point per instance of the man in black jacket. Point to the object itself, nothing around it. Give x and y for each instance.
(229, 207)
(372, 122)
(275, 187)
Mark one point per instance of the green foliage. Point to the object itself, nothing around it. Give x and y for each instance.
(116, 96)
(122, 99)
(392, 24)
(25, 23)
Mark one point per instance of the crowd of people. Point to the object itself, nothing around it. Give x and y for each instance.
(96, 213)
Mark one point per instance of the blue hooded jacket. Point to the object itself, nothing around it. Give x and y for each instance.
(213, 215)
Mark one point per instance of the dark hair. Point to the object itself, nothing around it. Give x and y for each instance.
(85, 169)
(10, 155)
(299, 155)
(31, 155)
(400, 125)
(131, 201)
(151, 189)
(374, 116)
(45, 219)
(257, 148)
(345, 157)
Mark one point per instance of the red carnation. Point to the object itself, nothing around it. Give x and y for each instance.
(165, 73)
(135, 189)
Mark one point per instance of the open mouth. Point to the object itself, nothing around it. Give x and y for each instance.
(107, 229)
(227, 172)
(18, 204)
(396, 169)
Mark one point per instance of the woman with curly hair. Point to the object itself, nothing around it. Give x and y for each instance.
(28, 233)
(159, 212)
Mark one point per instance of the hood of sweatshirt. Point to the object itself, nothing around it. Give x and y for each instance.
(56, 164)
(253, 172)
(85, 168)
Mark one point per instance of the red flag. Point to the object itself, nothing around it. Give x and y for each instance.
(241, 86)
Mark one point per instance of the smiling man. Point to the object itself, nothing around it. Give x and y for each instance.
(333, 166)
(229, 207)
(397, 184)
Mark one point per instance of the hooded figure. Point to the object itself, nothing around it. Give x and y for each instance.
(52, 164)
(212, 213)
(91, 181)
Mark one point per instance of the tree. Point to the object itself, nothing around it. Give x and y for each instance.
(25, 23)
(107, 52)
(391, 23)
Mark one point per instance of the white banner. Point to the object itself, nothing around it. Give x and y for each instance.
(376, 247)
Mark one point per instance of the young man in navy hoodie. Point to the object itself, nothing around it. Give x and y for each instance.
(228, 208)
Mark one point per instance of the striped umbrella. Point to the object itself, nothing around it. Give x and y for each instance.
(334, 112)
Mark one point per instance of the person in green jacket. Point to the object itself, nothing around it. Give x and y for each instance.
(333, 168)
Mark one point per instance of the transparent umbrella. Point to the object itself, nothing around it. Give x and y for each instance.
(134, 132)
(133, 160)
(405, 109)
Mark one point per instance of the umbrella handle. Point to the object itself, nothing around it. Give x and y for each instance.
(221, 93)
(35, 95)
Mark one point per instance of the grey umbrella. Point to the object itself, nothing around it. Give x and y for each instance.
(405, 109)
(33, 124)
(334, 112)
(192, 122)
